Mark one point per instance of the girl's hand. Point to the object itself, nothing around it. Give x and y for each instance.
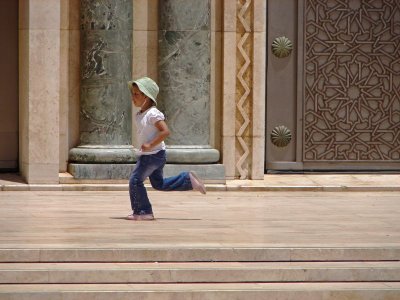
(146, 147)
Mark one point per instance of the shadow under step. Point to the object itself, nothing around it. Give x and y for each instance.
(199, 254)
(216, 272)
(276, 291)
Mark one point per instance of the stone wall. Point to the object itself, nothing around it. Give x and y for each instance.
(220, 52)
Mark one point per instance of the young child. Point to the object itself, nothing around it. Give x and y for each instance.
(152, 131)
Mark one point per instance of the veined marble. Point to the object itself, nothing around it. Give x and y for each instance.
(182, 15)
(105, 105)
(106, 47)
(184, 70)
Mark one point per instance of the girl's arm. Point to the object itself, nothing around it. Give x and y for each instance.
(163, 133)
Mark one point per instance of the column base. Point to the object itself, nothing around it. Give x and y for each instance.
(211, 173)
(102, 154)
(102, 162)
(192, 155)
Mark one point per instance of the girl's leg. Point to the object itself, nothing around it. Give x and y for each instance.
(183, 182)
(137, 191)
(140, 202)
(180, 182)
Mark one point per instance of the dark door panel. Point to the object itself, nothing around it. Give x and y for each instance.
(343, 105)
(9, 85)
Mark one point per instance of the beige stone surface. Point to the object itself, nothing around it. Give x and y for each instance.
(216, 90)
(270, 182)
(73, 87)
(201, 272)
(64, 100)
(64, 16)
(38, 173)
(319, 182)
(228, 156)
(145, 48)
(260, 15)
(228, 98)
(23, 94)
(257, 153)
(258, 112)
(39, 89)
(69, 80)
(43, 96)
(224, 291)
(39, 14)
(258, 90)
(216, 15)
(229, 84)
(74, 14)
(229, 16)
(145, 14)
(188, 219)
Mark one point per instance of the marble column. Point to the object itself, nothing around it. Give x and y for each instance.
(184, 79)
(105, 150)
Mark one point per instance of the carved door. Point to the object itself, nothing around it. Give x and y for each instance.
(338, 91)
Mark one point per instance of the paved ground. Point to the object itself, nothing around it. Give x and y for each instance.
(220, 219)
(271, 182)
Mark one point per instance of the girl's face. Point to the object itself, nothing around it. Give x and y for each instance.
(138, 98)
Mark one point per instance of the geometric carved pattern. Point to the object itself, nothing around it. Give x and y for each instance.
(352, 80)
(244, 83)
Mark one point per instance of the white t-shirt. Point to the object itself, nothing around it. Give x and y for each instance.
(147, 131)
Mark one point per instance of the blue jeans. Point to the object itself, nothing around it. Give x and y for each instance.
(152, 166)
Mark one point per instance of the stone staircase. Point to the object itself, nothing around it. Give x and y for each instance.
(200, 273)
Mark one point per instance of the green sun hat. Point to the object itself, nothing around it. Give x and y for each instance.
(147, 86)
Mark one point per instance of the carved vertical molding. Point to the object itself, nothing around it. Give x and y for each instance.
(243, 130)
(244, 95)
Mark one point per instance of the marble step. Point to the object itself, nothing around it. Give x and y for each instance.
(198, 254)
(254, 291)
(218, 272)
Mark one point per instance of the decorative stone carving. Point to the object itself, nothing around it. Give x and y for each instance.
(281, 136)
(352, 81)
(282, 47)
(244, 83)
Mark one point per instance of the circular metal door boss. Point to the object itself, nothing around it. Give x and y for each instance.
(282, 47)
(281, 136)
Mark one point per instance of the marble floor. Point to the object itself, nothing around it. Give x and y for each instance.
(30, 219)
